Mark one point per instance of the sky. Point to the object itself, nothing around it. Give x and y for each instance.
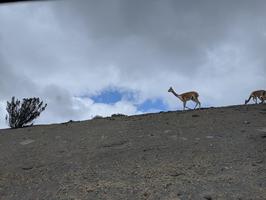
(86, 58)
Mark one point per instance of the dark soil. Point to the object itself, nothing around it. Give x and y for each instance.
(213, 154)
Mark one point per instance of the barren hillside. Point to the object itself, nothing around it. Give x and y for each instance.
(215, 153)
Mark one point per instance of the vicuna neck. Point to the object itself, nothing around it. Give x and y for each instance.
(174, 93)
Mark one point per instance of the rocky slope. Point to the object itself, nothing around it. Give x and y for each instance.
(215, 153)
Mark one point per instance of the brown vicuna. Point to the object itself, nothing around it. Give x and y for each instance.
(193, 96)
(258, 94)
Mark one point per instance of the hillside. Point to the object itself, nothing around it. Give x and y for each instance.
(215, 153)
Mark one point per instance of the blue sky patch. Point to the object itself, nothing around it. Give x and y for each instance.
(108, 97)
(152, 105)
(112, 96)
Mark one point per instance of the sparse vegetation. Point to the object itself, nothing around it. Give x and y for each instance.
(118, 115)
(21, 114)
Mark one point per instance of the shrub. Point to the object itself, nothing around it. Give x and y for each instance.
(118, 115)
(20, 115)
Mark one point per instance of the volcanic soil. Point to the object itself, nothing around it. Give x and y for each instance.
(208, 154)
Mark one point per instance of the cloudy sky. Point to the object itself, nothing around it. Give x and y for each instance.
(86, 58)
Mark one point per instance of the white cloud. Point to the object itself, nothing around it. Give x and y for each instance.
(3, 113)
(84, 109)
(61, 50)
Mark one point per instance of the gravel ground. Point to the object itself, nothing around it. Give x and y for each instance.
(208, 154)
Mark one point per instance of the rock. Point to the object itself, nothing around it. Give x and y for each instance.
(263, 129)
(175, 174)
(116, 144)
(27, 167)
(25, 142)
(207, 197)
(263, 136)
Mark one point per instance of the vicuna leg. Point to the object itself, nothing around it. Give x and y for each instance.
(184, 105)
(197, 103)
(254, 100)
(262, 99)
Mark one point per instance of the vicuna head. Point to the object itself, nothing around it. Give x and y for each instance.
(170, 89)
